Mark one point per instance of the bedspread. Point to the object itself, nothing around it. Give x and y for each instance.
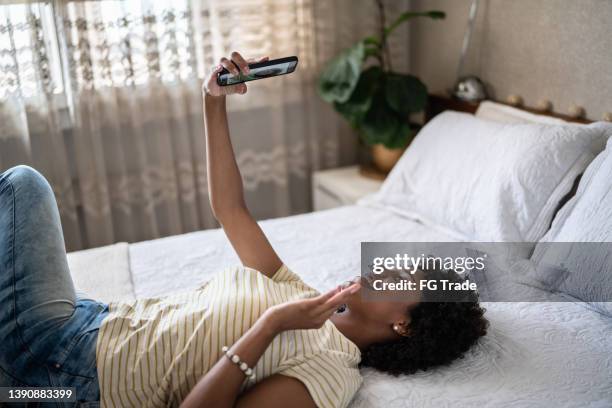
(535, 355)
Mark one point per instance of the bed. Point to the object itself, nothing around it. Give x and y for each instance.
(535, 355)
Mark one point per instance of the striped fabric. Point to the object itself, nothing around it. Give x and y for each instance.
(152, 352)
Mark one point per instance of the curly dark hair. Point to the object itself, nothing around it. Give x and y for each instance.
(440, 331)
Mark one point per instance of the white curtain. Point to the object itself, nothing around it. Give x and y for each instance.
(103, 97)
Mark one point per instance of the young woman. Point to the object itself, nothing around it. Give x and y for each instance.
(254, 336)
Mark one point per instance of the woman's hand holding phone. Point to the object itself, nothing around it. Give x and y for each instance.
(236, 64)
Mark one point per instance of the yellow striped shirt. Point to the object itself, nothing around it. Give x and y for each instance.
(152, 352)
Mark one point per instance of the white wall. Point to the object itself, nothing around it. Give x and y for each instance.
(559, 50)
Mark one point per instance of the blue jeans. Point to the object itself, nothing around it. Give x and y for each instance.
(47, 336)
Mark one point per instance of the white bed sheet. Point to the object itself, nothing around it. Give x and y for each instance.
(322, 247)
(535, 355)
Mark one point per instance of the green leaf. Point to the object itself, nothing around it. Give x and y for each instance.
(371, 40)
(361, 99)
(383, 125)
(380, 124)
(408, 15)
(371, 52)
(340, 77)
(405, 93)
(403, 135)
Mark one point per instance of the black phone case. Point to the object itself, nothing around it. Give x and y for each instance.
(260, 65)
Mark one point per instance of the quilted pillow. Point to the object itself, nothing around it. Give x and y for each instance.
(482, 180)
(580, 239)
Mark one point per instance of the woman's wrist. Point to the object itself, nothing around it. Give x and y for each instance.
(272, 321)
(211, 99)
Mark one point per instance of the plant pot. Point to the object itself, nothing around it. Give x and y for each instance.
(384, 158)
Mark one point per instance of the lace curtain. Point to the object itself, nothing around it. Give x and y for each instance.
(103, 97)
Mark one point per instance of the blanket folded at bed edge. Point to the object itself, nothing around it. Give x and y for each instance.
(102, 273)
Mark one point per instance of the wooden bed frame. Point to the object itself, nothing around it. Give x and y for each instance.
(441, 103)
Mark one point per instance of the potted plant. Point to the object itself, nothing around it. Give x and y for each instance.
(362, 86)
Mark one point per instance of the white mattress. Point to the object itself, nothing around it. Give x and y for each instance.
(535, 355)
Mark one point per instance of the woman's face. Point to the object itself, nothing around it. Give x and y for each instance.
(380, 311)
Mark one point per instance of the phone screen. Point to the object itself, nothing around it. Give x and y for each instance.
(269, 69)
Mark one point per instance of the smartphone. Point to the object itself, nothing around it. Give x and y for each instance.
(260, 70)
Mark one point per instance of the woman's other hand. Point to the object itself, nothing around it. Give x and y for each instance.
(235, 64)
(309, 313)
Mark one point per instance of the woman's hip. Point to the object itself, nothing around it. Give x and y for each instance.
(65, 357)
(47, 336)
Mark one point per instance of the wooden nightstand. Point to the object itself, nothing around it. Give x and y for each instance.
(342, 186)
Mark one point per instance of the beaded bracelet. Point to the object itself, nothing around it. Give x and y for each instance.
(236, 360)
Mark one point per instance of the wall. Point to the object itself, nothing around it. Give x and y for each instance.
(559, 50)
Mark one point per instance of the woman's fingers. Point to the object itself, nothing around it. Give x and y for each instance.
(332, 304)
(321, 299)
(236, 89)
(340, 298)
(241, 88)
(230, 66)
(210, 85)
(337, 294)
(216, 69)
(235, 65)
(258, 60)
(241, 62)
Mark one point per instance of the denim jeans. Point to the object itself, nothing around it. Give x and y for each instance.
(47, 335)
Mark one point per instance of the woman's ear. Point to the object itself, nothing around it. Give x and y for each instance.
(401, 328)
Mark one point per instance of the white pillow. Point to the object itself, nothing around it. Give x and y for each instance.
(481, 180)
(507, 114)
(587, 217)
(585, 222)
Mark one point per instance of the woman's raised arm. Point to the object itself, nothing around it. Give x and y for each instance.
(224, 181)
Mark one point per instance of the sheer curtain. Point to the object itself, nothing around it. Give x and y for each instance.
(103, 97)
